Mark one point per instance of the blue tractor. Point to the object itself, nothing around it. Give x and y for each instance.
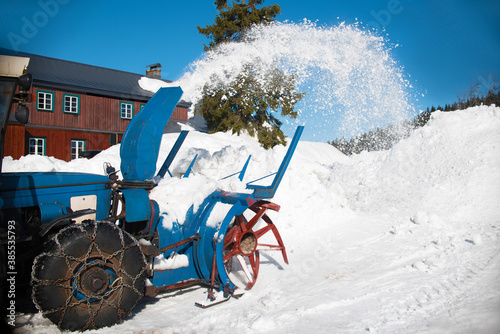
(89, 243)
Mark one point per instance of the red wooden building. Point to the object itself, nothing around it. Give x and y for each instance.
(77, 107)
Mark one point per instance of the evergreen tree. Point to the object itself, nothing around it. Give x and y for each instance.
(243, 105)
(232, 21)
(246, 104)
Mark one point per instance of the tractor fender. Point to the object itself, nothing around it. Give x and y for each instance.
(49, 210)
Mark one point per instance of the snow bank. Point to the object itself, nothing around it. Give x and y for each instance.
(401, 241)
(441, 166)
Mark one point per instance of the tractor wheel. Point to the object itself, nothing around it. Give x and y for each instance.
(90, 275)
(242, 244)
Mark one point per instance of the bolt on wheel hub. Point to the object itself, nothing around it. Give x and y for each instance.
(94, 281)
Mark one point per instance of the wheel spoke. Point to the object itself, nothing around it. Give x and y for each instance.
(280, 243)
(230, 237)
(277, 235)
(263, 231)
(254, 262)
(269, 247)
(230, 234)
(244, 266)
(255, 219)
(234, 252)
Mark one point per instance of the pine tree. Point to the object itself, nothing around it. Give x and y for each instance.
(232, 21)
(247, 104)
(244, 106)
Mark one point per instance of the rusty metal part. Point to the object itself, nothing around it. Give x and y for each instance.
(179, 243)
(152, 291)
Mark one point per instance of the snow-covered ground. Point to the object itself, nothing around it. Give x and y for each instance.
(400, 241)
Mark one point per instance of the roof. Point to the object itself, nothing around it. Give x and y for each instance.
(83, 78)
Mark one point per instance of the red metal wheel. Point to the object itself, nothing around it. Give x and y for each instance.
(242, 244)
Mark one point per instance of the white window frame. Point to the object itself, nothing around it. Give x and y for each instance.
(126, 110)
(71, 104)
(36, 146)
(45, 100)
(78, 148)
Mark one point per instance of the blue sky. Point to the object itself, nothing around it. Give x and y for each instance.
(443, 45)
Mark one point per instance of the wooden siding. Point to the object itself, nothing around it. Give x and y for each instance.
(180, 114)
(14, 145)
(58, 142)
(95, 112)
(98, 119)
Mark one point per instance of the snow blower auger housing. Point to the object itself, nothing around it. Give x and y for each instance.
(96, 244)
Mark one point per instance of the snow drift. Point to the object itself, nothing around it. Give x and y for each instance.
(400, 241)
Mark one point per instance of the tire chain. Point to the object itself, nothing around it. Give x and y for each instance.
(103, 299)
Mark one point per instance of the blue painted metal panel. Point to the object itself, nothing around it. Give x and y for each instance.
(170, 233)
(188, 171)
(171, 155)
(269, 191)
(21, 190)
(237, 209)
(141, 140)
(204, 246)
(176, 275)
(202, 251)
(49, 211)
(244, 169)
(137, 205)
(152, 225)
(241, 173)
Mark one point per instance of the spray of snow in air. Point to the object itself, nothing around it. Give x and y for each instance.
(351, 82)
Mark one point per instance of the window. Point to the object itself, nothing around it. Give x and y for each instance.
(45, 100)
(37, 146)
(71, 104)
(77, 147)
(126, 110)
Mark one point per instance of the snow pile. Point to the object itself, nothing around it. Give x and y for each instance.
(401, 241)
(442, 158)
(173, 262)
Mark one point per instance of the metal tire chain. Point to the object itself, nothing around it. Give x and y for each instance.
(67, 258)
